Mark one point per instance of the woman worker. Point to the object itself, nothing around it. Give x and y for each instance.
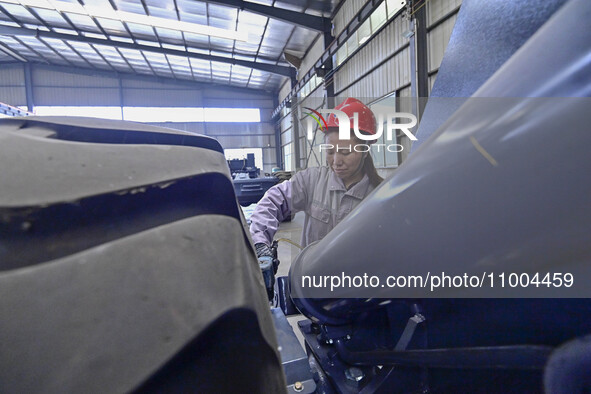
(326, 194)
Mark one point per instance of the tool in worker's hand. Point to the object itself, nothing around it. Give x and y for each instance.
(269, 263)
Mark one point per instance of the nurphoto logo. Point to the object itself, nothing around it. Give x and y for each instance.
(389, 122)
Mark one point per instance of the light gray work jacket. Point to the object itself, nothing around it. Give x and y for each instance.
(318, 192)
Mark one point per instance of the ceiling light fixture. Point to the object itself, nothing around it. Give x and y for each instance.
(129, 17)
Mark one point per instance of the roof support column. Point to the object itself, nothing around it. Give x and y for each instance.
(295, 121)
(278, 150)
(29, 87)
(121, 103)
(419, 55)
(328, 66)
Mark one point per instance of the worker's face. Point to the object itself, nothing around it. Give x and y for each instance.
(344, 161)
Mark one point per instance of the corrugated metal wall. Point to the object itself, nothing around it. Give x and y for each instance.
(441, 17)
(287, 149)
(52, 87)
(383, 65)
(311, 57)
(285, 123)
(285, 89)
(345, 14)
(56, 86)
(379, 68)
(12, 85)
(315, 100)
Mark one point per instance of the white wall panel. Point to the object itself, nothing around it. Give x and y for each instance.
(266, 114)
(246, 141)
(383, 80)
(346, 14)
(285, 89)
(15, 96)
(12, 75)
(314, 100)
(286, 137)
(238, 129)
(269, 160)
(189, 126)
(230, 102)
(161, 98)
(285, 123)
(311, 57)
(12, 85)
(437, 40)
(145, 83)
(436, 9)
(394, 73)
(432, 79)
(46, 77)
(77, 96)
(213, 93)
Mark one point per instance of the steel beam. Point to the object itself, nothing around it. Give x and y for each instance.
(275, 69)
(12, 111)
(29, 87)
(146, 77)
(421, 58)
(327, 67)
(277, 127)
(301, 19)
(331, 49)
(4, 48)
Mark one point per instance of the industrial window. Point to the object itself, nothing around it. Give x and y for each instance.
(162, 114)
(310, 86)
(287, 155)
(93, 112)
(156, 114)
(378, 18)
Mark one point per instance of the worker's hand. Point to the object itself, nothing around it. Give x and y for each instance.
(263, 250)
(265, 256)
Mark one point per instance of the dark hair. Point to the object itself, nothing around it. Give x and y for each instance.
(368, 168)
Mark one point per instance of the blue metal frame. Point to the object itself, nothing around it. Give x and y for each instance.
(275, 69)
(301, 19)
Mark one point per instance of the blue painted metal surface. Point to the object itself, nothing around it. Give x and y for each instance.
(485, 36)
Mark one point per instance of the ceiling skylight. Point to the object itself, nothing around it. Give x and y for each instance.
(129, 17)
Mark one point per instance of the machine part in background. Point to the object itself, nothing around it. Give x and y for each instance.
(244, 166)
(568, 368)
(248, 186)
(283, 293)
(251, 190)
(269, 268)
(465, 345)
(485, 36)
(502, 186)
(125, 264)
(293, 358)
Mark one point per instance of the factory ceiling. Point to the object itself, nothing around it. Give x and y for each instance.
(229, 42)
